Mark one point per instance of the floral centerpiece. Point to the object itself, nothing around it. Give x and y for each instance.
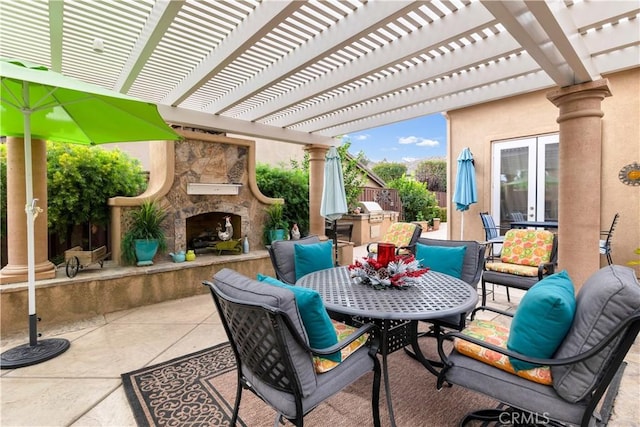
(401, 272)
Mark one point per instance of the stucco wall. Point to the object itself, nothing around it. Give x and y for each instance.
(533, 114)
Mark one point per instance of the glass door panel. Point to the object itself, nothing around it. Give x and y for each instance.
(547, 199)
(514, 168)
(525, 180)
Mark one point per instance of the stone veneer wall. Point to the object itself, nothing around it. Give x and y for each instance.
(201, 158)
(209, 162)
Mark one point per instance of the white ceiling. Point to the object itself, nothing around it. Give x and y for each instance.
(305, 71)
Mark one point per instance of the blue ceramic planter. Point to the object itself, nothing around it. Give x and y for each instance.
(145, 251)
(276, 234)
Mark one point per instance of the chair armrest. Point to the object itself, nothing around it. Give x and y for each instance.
(492, 309)
(487, 259)
(546, 269)
(366, 328)
(410, 248)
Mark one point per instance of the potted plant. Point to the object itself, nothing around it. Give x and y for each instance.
(275, 228)
(145, 235)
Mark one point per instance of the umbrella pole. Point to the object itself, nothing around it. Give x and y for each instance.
(462, 226)
(34, 352)
(335, 240)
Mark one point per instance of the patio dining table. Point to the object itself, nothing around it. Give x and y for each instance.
(395, 311)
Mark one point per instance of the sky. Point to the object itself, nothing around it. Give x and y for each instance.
(421, 138)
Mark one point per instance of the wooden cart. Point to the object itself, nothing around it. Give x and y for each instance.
(77, 259)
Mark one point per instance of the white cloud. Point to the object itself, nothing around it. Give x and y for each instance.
(409, 159)
(428, 143)
(408, 140)
(418, 141)
(361, 137)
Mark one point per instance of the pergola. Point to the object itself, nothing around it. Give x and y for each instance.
(308, 71)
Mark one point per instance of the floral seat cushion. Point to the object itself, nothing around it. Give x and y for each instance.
(517, 269)
(527, 247)
(493, 333)
(322, 364)
(398, 234)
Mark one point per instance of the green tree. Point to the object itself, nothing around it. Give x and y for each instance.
(417, 202)
(433, 173)
(80, 179)
(290, 185)
(353, 176)
(389, 171)
(293, 185)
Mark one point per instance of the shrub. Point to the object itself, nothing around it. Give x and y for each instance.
(80, 179)
(388, 171)
(290, 185)
(433, 172)
(415, 198)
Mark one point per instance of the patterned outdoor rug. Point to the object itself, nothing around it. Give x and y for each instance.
(180, 392)
(199, 390)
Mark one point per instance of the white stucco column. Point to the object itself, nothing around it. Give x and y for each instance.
(317, 155)
(580, 159)
(16, 268)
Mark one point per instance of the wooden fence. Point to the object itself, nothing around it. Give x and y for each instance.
(389, 199)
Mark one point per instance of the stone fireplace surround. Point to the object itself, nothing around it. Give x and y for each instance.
(226, 167)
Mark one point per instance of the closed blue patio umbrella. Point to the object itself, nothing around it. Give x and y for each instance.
(465, 193)
(334, 198)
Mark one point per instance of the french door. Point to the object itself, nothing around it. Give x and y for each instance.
(524, 179)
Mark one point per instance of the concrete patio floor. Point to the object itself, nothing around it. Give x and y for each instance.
(82, 387)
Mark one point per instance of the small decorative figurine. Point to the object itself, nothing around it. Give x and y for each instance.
(295, 232)
(245, 245)
(227, 234)
(178, 256)
(191, 255)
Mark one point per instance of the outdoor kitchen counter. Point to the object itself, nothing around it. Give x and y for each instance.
(369, 227)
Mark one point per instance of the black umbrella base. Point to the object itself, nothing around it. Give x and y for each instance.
(27, 354)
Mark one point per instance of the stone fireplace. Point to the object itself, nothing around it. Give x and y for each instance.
(200, 181)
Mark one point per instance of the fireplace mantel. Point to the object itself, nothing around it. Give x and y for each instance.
(203, 188)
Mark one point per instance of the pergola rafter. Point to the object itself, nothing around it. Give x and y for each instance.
(307, 71)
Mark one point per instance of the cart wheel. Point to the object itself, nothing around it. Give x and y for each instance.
(73, 265)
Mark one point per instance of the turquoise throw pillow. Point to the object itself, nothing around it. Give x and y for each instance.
(313, 257)
(443, 259)
(542, 319)
(314, 316)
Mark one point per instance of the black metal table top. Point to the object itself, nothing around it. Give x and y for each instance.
(437, 295)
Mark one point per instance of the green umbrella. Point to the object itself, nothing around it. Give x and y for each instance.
(39, 103)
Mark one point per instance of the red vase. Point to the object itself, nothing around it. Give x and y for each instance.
(386, 253)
